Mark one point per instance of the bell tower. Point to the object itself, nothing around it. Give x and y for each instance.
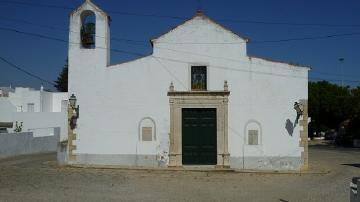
(89, 41)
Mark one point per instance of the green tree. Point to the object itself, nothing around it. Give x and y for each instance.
(329, 105)
(332, 106)
(354, 123)
(62, 80)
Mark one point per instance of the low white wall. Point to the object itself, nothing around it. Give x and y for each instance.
(40, 123)
(13, 144)
(41, 132)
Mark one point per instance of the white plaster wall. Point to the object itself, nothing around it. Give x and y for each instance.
(47, 113)
(46, 101)
(203, 37)
(57, 99)
(43, 101)
(6, 110)
(113, 99)
(22, 96)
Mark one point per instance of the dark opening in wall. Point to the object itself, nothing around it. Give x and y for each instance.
(88, 29)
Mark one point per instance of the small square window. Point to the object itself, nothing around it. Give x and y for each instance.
(146, 133)
(198, 78)
(19, 108)
(253, 137)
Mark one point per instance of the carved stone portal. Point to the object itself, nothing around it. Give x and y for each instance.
(198, 99)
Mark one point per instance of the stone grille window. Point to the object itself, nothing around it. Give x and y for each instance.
(253, 137)
(198, 78)
(147, 133)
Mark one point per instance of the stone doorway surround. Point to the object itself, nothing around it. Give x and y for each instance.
(198, 99)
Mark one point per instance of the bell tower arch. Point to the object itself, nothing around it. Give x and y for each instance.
(88, 29)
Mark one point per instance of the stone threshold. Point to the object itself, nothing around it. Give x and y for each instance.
(199, 169)
(295, 172)
(182, 168)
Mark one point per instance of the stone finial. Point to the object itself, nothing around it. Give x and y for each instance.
(171, 87)
(199, 12)
(226, 87)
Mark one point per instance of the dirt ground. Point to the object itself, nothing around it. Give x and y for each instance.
(37, 178)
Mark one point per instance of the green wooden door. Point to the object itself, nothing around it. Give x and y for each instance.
(199, 136)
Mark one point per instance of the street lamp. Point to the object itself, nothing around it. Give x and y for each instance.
(72, 101)
(75, 116)
(299, 108)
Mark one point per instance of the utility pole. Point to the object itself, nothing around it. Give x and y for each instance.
(342, 71)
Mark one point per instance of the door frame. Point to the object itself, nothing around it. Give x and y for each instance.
(198, 99)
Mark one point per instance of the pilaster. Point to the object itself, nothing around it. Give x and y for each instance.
(304, 135)
(71, 135)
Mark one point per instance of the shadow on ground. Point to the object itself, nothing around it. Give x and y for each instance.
(357, 165)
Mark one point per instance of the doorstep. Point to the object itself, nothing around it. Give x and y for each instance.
(200, 168)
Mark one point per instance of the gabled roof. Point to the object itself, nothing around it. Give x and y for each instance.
(201, 14)
(91, 4)
(278, 61)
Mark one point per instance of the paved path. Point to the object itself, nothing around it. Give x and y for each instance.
(37, 178)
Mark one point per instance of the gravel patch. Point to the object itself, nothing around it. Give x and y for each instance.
(38, 178)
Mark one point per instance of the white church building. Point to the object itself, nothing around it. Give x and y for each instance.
(198, 99)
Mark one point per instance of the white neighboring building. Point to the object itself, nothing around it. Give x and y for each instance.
(31, 100)
(173, 108)
(38, 110)
(4, 91)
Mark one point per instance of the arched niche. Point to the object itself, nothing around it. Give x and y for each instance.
(253, 133)
(147, 130)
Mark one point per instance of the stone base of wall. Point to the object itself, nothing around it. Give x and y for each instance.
(119, 160)
(267, 163)
(150, 161)
(61, 155)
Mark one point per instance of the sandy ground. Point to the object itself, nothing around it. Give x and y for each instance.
(37, 178)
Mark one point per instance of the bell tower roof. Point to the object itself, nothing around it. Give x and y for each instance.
(89, 5)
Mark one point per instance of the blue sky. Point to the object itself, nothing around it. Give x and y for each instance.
(45, 58)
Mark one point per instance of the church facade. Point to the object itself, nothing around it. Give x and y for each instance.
(198, 99)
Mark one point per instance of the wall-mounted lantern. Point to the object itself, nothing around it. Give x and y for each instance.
(75, 108)
(72, 101)
(299, 108)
